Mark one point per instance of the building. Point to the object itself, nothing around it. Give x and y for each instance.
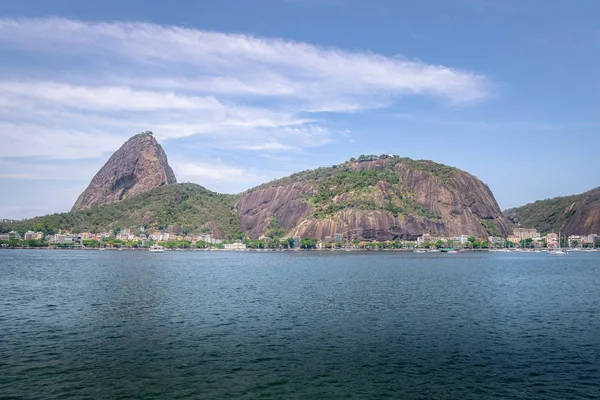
(29, 235)
(297, 242)
(523, 233)
(69, 239)
(4, 236)
(462, 239)
(496, 241)
(13, 235)
(234, 246)
(590, 239)
(514, 239)
(576, 240)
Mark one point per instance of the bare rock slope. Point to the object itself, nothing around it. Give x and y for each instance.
(138, 166)
(381, 198)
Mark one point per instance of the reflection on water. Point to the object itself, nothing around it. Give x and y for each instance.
(298, 325)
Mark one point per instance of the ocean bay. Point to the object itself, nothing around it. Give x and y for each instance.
(84, 324)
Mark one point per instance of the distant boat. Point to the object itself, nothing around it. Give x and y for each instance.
(452, 252)
(155, 248)
(558, 251)
(419, 251)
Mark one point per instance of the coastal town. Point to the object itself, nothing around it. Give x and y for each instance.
(177, 239)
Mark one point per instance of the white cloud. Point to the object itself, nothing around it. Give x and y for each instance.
(34, 140)
(101, 98)
(216, 175)
(236, 61)
(104, 81)
(268, 146)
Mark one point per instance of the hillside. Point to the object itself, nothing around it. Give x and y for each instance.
(372, 198)
(572, 215)
(178, 207)
(381, 198)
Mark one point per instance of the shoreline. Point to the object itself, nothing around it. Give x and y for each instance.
(295, 250)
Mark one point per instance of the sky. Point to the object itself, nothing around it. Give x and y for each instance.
(242, 92)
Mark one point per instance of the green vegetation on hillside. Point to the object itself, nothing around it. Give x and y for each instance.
(188, 206)
(347, 186)
(491, 227)
(547, 215)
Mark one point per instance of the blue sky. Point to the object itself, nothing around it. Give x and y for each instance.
(240, 92)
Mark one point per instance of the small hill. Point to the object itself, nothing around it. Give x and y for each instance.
(138, 166)
(572, 215)
(177, 208)
(375, 197)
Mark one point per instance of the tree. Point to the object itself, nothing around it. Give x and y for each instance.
(309, 243)
(274, 230)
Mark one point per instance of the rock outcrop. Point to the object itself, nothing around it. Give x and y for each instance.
(138, 166)
(383, 199)
(571, 215)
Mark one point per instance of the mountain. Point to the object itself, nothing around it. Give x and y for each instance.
(382, 198)
(572, 215)
(138, 166)
(176, 208)
(373, 198)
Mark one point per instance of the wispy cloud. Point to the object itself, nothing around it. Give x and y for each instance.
(104, 81)
(217, 175)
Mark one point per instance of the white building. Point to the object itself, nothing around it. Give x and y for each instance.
(235, 246)
(29, 235)
(13, 235)
(462, 239)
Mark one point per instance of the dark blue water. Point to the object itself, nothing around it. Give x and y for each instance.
(209, 325)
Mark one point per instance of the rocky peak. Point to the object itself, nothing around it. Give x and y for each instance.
(138, 166)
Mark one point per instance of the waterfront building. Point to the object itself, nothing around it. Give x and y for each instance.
(496, 241)
(524, 233)
(234, 246)
(575, 240)
(462, 239)
(29, 235)
(590, 239)
(297, 242)
(514, 239)
(4, 236)
(426, 238)
(69, 239)
(14, 235)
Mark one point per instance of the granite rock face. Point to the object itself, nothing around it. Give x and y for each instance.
(416, 197)
(138, 166)
(571, 215)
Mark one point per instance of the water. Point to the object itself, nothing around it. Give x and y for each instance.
(210, 325)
